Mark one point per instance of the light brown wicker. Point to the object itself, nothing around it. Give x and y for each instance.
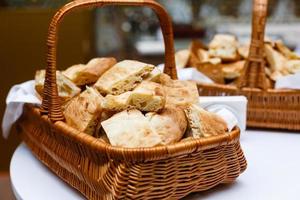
(101, 171)
(267, 108)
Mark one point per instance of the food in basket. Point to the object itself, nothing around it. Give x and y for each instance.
(154, 75)
(224, 59)
(134, 104)
(86, 74)
(83, 112)
(224, 47)
(131, 128)
(180, 93)
(182, 58)
(147, 96)
(275, 59)
(123, 76)
(203, 123)
(232, 70)
(66, 88)
(286, 51)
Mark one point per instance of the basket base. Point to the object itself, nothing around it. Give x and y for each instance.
(102, 179)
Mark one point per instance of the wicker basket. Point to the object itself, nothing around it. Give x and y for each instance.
(267, 108)
(101, 171)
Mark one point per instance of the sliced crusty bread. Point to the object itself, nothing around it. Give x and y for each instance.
(130, 128)
(180, 93)
(293, 66)
(243, 50)
(224, 47)
(232, 70)
(122, 77)
(147, 96)
(87, 74)
(66, 88)
(203, 123)
(284, 50)
(276, 60)
(83, 112)
(170, 124)
(182, 58)
(154, 75)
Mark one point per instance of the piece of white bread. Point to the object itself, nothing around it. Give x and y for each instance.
(232, 70)
(147, 96)
(243, 50)
(224, 47)
(122, 77)
(170, 124)
(293, 66)
(203, 123)
(284, 50)
(130, 128)
(66, 88)
(83, 112)
(276, 60)
(180, 93)
(154, 75)
(182, 58)
(87, 74)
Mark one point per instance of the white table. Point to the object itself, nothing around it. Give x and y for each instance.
(273, 172)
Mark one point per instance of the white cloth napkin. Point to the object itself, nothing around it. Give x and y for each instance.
(288, 82)
(233, 109)
(17, 96)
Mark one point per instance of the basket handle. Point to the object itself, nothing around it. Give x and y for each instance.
(253, 74)
(51, 104)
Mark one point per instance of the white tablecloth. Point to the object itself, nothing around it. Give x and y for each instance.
(273, 172)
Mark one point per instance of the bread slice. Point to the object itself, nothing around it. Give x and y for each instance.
(122, 77)
(84, 111)
(233, 70)
(66, 88)
(130, 128)
(276, 60)
(293, 66)
(203, 123)
(182, 58)
(170, 124)
(87, 74)
(243, 50)
(147, 96)
(154, 75)
(180, 93)
(224, 47)
(213, 71)
(285, 51)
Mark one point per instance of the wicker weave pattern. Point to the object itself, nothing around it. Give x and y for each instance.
(267, 108)
(101, 171)
(97, 176)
